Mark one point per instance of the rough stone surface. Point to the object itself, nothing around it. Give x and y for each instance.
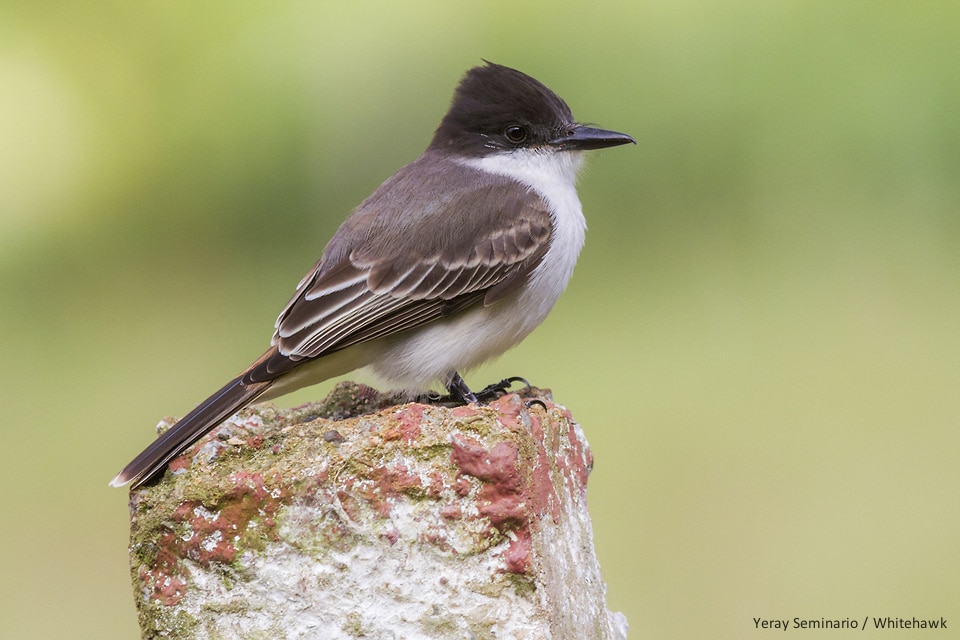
(360, 518)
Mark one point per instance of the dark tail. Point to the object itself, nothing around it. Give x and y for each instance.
(224, 403)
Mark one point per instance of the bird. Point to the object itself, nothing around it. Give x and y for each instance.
(454, 259)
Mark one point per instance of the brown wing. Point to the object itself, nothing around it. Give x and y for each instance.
(484, 243)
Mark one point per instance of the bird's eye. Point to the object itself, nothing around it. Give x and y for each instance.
(515, 133)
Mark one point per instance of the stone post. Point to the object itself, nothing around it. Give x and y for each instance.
(360, 518)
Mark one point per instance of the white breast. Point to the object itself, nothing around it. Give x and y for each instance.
(553, 175)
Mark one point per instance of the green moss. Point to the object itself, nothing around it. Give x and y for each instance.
(481, 630)
(235, 606)
(479, 424)
(430, 451)
(158, 621)
(438, 624)
(274, 632)
(524, 585)
(353, 625)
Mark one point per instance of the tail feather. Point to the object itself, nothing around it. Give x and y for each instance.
(224, 403)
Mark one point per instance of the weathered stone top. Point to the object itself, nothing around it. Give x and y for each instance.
(361, 513)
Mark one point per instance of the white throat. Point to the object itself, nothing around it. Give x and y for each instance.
(553, 175)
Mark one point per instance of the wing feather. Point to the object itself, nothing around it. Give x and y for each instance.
(338, 304)
(378, 276)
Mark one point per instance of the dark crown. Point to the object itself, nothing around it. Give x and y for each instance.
(489, 101)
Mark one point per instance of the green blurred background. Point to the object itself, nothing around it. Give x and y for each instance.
(761, 340)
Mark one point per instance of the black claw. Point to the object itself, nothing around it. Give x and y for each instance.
(492, 391)
(459, 393)
(530, 403)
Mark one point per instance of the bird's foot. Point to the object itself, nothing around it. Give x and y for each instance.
(497, 389)
(460, 394)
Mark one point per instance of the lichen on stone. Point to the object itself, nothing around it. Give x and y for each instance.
(357, 499)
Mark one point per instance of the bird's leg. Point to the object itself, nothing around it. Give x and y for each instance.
(459, 389)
